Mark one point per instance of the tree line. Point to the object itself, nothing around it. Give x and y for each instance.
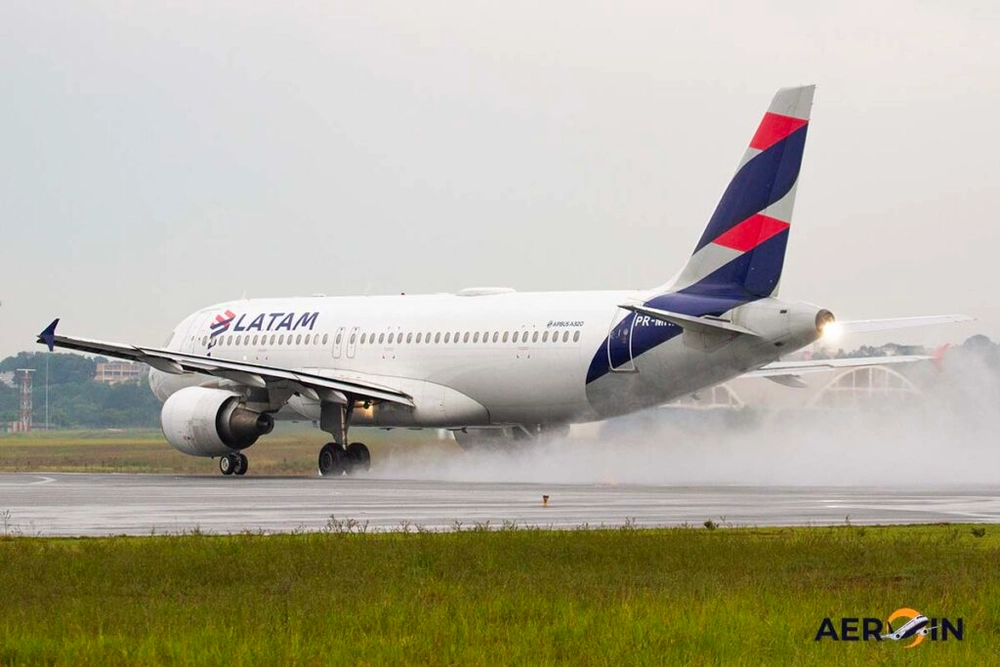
(74, 399)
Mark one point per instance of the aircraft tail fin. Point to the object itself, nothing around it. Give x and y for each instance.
(742, 250)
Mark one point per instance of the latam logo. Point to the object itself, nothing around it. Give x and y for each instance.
(221, 323)
(262, 322)
(275, 322)
(910, 625)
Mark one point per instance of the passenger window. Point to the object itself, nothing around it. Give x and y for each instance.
(381, 338)
(475, 337)
(566, 336)
(298, 339)
(437, 337)
(229, 341)
(363, 337)
(281, 339)
(465, 338)
(392, 337)
(428, 339)
(238, 339)
(576, 336)
(307, 339)
(255, 339)
(447, 336)
(354, 337)
(505, 333)
(419, 336)
(486, 336)
(534, 337)
(326, 337)
(272, 339)
(340, 337)
(457, 334)
(545, 336)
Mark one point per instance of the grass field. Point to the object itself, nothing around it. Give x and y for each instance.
(290, 450)
(625, 596)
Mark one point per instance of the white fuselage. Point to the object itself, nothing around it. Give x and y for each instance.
(485, 358)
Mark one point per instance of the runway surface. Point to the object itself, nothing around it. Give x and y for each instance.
(77, 504)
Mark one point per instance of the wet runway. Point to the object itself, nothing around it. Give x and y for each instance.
(76, 504)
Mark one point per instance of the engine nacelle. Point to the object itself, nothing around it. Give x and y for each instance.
(211, 422)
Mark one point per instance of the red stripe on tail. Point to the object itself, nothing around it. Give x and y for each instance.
(773, 128)
(751, 232)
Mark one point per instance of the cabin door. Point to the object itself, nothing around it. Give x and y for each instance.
(620, 359)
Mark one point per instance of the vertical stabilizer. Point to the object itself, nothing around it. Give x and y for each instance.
(742, 251)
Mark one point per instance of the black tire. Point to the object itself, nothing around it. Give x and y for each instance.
(242, 464)
(227, 465)
(359, 458)
(332, 460)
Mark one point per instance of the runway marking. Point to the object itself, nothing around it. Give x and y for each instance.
(42, 480)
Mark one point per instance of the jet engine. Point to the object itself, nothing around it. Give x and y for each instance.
(211, 422)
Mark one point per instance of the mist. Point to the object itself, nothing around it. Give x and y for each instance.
(944, 436)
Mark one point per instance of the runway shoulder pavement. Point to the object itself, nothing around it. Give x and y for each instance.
(76, 504)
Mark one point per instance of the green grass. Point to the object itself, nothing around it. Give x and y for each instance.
(674, 596)
(290, 450)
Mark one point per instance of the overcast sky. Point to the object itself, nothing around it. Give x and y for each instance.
(159, 157)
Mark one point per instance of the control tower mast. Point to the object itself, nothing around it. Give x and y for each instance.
(24, 419)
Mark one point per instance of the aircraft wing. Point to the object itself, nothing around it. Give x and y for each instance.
(319, 387)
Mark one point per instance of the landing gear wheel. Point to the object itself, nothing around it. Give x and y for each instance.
(241, 464)
(227, 464)
(333, 460)
(359, 458)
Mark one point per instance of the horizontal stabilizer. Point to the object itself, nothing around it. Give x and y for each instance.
(867, 326)
(703, 324)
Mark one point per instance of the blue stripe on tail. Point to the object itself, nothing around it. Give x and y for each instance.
(765, 179)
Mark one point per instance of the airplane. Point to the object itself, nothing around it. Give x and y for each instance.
(915, 626)
(495, 365)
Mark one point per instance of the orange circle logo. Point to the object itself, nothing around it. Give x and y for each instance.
(919, 630)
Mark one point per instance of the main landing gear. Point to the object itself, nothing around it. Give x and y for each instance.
(338, 458)
(335, 460)
(234, 464)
